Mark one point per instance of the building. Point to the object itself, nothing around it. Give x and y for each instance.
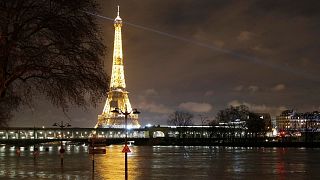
(117, 96)
(292, 123)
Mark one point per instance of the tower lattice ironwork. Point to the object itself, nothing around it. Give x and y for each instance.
(117, 96)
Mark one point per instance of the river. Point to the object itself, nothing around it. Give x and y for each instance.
(163, 162)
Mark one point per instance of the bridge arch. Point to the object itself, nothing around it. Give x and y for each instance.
(157, 134)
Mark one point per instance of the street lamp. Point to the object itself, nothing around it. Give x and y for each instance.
(61, 125)
(125, 113)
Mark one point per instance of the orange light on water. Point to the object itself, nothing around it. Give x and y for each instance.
(111, 165)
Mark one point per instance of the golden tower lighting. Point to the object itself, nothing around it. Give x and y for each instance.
(117, 96)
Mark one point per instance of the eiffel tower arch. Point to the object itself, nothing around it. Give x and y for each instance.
(117, 96)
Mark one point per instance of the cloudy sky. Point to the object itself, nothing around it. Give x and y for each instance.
(202, 56)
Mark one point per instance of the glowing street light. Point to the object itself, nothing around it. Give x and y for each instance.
(125, 113)
(61, 125)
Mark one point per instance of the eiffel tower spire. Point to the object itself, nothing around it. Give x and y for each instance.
(117, 96)
(117, 76)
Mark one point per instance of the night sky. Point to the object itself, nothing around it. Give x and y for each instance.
(202, 56)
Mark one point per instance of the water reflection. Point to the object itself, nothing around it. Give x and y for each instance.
(111, 165)
(159, 162)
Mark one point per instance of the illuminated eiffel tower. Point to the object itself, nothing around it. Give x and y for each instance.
(117, 96)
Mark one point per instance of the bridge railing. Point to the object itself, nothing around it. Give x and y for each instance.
(68, 133)
(85, 133)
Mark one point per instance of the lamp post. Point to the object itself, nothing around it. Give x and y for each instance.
(125, 113)
(61, 125)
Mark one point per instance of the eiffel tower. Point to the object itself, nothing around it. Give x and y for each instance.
(117, 96)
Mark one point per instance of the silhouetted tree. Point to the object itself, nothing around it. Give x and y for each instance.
(180, 118)
(255, 124)
(231, 116)
(203, 119)
(234, 116)
(233, 113)
(52, 48)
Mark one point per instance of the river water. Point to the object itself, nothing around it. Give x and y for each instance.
(163, 162)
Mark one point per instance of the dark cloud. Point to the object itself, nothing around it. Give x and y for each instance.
(219, 52)
(289, 8)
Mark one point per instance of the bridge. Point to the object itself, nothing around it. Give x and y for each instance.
(155, 135)
(29, 135)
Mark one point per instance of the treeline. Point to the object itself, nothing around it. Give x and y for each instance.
(234, 121)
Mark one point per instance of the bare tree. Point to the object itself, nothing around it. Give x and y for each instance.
(51, 48)
(256, 124)
(233, 113)
(203, 119)
(180, 118)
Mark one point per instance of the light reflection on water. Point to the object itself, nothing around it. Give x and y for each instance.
(111, 166)
(163, 162)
